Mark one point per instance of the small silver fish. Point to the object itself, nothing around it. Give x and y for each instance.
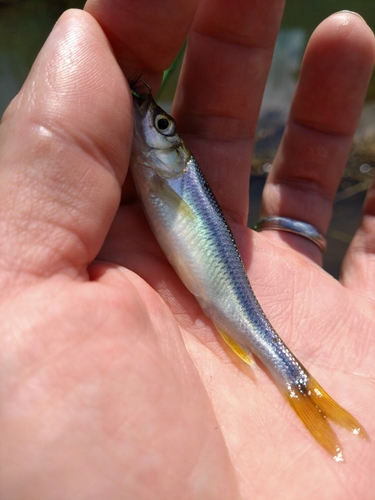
(191, 229)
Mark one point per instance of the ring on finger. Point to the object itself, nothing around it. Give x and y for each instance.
(294, 226)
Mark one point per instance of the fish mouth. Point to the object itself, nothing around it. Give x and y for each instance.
(137, 88)
(139, 98)
(141, 102)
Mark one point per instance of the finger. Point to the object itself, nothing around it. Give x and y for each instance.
(326, 108)
(64, 151)
(226, 64)
(147, 37)
(358, 268)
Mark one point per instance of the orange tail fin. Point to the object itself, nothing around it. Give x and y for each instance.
(314, 407)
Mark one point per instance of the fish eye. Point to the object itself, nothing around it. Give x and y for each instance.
(164, 124)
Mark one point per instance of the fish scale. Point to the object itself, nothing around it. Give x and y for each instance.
(225, 274)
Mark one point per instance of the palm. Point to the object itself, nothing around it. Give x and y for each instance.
(114, 381)
(258, 426)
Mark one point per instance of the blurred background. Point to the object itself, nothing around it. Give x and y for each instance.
(25, 24)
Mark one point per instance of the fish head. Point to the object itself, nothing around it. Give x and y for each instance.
(156, 144)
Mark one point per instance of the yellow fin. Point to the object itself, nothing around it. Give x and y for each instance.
(334, 411)
(244, 355)
(173, 199)
(314, 406)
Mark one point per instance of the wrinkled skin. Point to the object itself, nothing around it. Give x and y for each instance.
(113, 384)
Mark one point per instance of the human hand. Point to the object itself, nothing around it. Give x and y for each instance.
(114, 384)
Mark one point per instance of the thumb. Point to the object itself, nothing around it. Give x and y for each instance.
(64, 150)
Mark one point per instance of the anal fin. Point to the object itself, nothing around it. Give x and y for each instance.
(237, 349)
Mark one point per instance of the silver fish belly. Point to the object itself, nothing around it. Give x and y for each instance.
(192, 232)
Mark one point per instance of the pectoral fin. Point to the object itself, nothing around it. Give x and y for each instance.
(174, 200)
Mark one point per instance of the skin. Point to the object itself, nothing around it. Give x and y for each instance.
(113, 384)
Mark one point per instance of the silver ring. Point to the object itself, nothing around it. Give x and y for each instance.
(292, 226)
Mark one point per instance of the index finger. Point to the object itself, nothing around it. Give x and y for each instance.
(145, 35)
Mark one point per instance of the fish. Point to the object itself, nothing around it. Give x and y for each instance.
(195, 237)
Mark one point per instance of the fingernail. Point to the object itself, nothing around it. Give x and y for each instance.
(350, 12)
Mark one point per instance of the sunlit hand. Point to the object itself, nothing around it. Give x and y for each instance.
(113, 383)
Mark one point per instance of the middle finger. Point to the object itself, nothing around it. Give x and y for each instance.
(227, 59)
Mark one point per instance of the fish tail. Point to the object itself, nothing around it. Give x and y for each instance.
(314, 407)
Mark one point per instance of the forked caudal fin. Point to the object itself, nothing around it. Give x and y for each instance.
(314, 407)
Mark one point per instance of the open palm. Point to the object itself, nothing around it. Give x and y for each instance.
(113, 383)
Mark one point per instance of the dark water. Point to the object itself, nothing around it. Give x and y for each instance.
(25, 24)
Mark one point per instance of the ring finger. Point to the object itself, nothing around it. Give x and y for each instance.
(324, 114)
